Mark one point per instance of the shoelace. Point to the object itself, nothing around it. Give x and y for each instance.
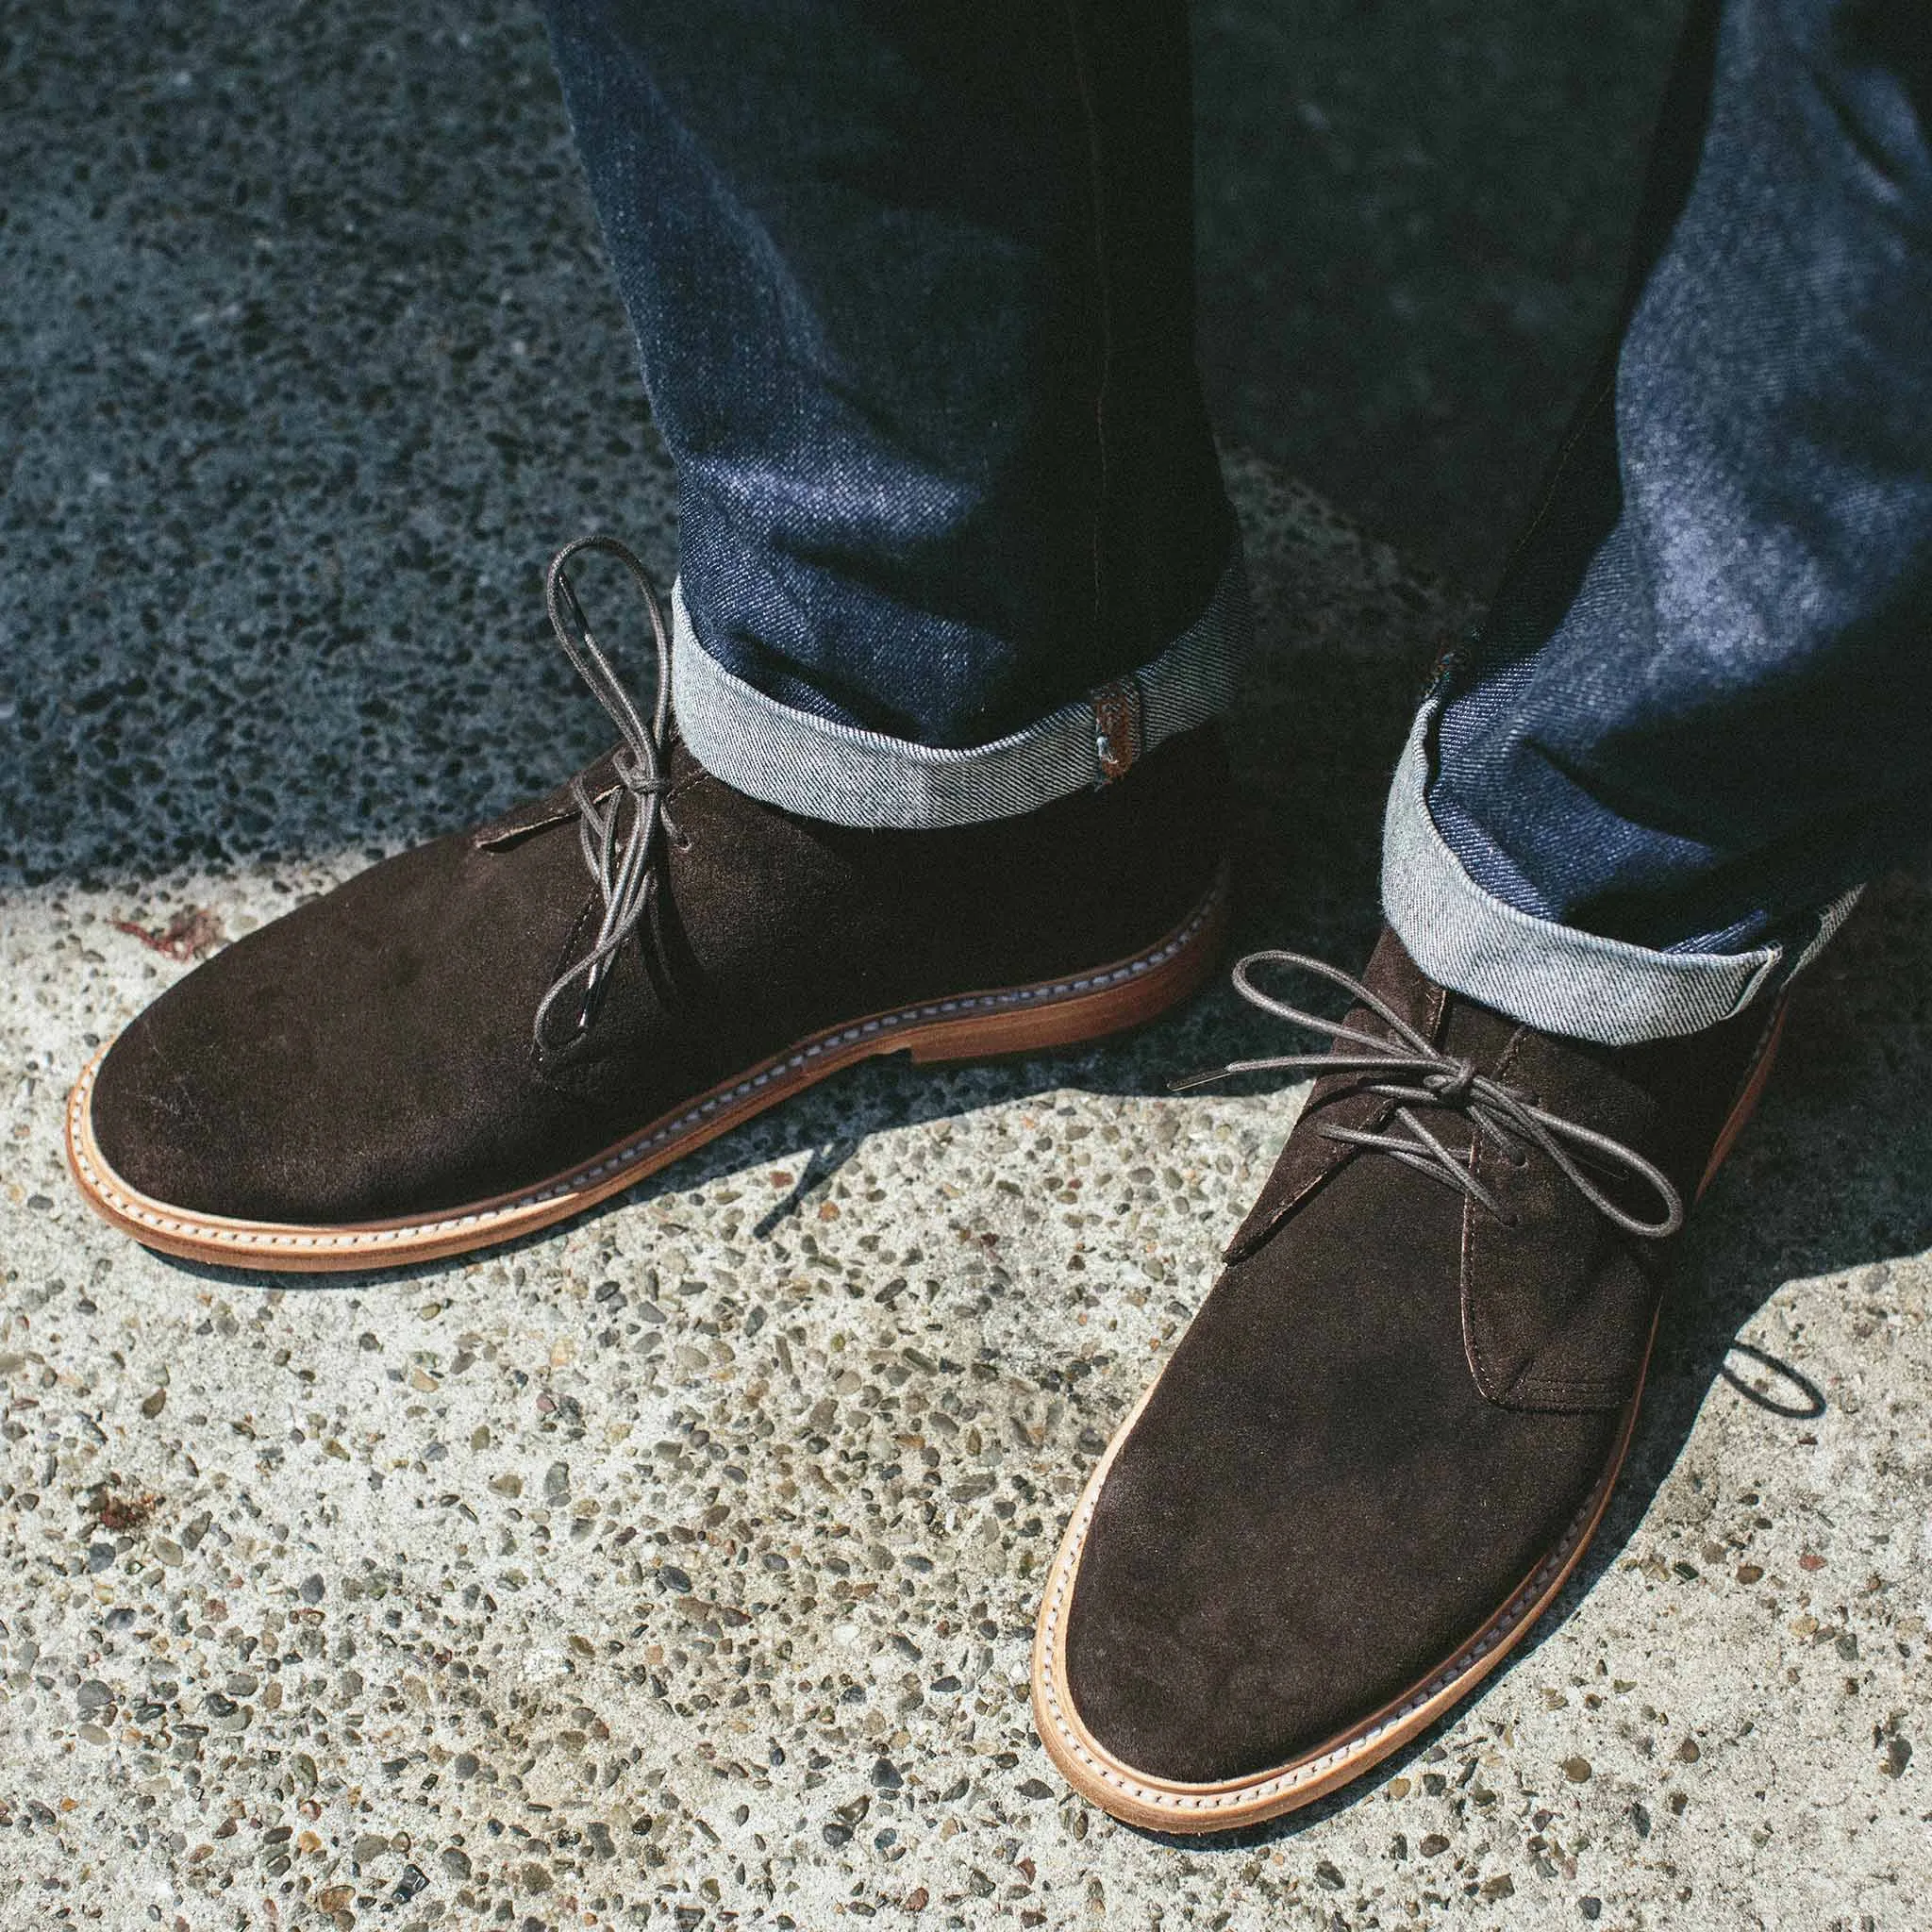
(1415, 1074)
(618, 836)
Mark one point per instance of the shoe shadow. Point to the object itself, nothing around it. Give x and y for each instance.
(1834, 1174)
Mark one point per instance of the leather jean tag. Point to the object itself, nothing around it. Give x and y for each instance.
(1118, 730)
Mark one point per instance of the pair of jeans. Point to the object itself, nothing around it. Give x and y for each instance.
(1700, 710)
(912, 292)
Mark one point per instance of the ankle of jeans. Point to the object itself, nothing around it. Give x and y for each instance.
(1553, 977)
(825, 769)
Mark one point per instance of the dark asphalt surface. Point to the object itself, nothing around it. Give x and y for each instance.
(1412, 231)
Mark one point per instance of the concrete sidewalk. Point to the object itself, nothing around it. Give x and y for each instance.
(678, 1567)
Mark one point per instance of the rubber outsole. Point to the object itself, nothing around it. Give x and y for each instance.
(1167, 1805)
(997, 1024)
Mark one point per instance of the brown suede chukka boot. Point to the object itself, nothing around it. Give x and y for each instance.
(489, 1033)
(1392, 1428)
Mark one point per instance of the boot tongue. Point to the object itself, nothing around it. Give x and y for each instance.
(1309, 1157)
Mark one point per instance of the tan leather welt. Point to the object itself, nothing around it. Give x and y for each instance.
(1165, 1805)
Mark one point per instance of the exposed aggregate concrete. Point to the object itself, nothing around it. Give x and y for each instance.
(677, 1568)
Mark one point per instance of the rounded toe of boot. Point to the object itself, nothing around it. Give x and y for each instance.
(1211, 1657)
(155, 1127)
(350, 1061)
(1309, 1539)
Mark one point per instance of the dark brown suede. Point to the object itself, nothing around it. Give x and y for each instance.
(371, 1054)
(1391, 1408)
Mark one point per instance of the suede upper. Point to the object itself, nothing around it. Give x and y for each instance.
(371, 1054)
(1389, 1412)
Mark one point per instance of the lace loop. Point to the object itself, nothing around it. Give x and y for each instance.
(1413, 1072)
(618, 837)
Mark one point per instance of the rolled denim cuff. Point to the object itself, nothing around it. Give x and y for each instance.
(823, 770)
(1550, 976)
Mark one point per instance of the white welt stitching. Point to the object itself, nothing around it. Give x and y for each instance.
(1310, 1770)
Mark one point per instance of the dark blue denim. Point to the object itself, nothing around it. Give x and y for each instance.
(912, 288)
(1702, 703)
(913, 291)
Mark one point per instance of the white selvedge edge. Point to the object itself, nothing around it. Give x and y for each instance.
(269, 1238)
